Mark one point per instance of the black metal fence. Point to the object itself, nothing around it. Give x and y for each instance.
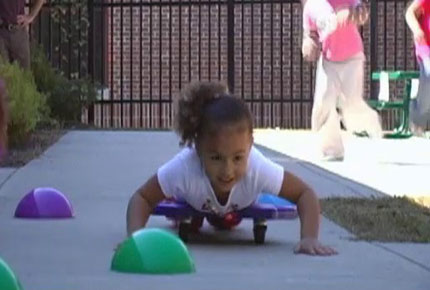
(144, 51)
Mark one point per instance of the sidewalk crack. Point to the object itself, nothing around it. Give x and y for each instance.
(425, 267)
(8, 177)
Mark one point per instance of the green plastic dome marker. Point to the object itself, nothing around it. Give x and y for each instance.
(8, 280)
(153, 251)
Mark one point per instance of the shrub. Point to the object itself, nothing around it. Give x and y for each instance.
(45, 76)
(26, 105)
(3, 117)
(65, 98)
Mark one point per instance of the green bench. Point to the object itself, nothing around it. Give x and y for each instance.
(400, 103)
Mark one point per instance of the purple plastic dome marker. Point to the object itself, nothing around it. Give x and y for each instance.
(27, 206)
(44, 202)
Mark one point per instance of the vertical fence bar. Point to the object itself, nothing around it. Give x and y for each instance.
(90, 67)
(301, 89)
(199, 66)
(252, 55)
(395, 36)
(282, 64)
(112, 66)
(271, 65)
(160, 63)
(405, 43)
(261, 63)
(103, 59)
(39, 24)
(121, 65)
(291, 68)
(69, 39)
(49, 32)
(209, 41)
(60, 43)
(189, 40)
(219, 39)
(242, 49)
(180, 45)
(141, 63)
(373, 45)
(131, 63)
(150, 63)
(79, 42)
(312, 70)
(170, 60)
(385, 34)
(230, 44)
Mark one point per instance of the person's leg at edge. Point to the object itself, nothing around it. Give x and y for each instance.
(325, 119)
(20, 47)
(420, 106)
(357, 116)
(3, 48)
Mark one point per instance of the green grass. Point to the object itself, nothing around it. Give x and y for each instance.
(397, 219)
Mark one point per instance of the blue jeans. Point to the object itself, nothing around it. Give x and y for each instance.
(420, 107)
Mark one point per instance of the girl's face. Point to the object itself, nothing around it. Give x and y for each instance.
(225, 156)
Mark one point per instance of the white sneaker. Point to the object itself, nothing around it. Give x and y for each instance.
(332, 158)
(330, 155)
(416, 130)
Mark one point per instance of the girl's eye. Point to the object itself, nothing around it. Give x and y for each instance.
(238, 158)
(215, 157)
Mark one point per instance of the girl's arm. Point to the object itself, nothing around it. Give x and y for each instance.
(310, 46)
(142, 203)
(352, 14)
(360, 14)
(310, 41)
(294, 189)
(413, 12)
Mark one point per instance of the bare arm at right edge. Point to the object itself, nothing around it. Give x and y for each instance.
(413, 12)
(142, 203)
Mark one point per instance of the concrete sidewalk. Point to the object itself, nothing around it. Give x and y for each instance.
(394, 167)
(99, 170)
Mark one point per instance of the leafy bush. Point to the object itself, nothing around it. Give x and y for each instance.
(45, 76)
(65, 98)
(26, 105)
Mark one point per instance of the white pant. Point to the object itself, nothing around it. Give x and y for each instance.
(340, 85)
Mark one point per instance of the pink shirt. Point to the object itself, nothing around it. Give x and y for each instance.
(338, 44)
(422, 49)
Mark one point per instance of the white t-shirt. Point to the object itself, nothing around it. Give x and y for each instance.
(184, 177)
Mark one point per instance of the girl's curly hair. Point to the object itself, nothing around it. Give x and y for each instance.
(204, 106)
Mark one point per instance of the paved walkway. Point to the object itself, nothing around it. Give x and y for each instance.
(388, 166)
(99, 170)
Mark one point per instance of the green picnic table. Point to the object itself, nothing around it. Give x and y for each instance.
(400, 103)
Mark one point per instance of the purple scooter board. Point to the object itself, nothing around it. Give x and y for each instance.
(267, 207)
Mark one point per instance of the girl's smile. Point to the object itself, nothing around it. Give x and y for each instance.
(224, 156)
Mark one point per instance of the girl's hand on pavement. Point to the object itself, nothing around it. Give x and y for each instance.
(313, 247)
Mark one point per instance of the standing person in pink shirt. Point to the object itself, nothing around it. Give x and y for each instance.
(418, 20)
(331, 36)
